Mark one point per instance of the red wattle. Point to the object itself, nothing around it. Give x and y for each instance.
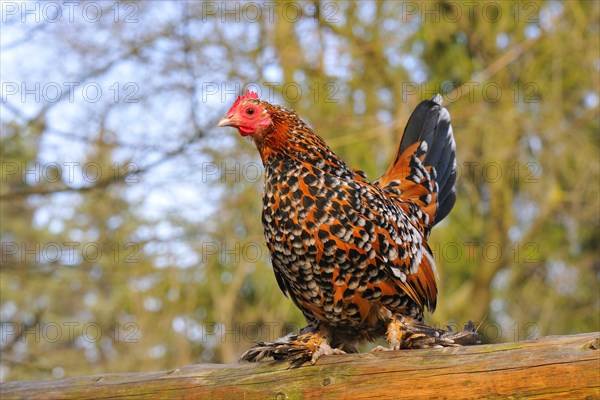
(245, 131)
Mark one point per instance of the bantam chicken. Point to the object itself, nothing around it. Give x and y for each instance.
(351, 254)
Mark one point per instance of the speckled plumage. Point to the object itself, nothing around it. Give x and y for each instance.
(352, 254)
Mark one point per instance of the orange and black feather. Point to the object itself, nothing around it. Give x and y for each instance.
(347, 251)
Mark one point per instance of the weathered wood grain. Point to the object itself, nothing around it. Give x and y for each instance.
(558, 366)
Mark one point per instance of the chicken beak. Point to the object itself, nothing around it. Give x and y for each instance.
(225, 122)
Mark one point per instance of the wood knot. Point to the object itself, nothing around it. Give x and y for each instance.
(327, 381)
(592, 345)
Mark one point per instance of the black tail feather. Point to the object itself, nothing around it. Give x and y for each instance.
(430, 122)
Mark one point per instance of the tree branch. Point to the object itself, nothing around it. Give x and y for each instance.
(559, 366)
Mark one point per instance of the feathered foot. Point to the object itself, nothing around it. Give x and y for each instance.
(297, 349)
(405, 334)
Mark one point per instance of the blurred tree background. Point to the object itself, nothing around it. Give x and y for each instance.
(130, 225)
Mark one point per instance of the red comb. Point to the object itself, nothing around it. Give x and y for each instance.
(249, 95)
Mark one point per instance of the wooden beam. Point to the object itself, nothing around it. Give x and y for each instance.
(558, 366)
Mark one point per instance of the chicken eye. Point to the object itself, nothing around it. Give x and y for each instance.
(250, 111)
